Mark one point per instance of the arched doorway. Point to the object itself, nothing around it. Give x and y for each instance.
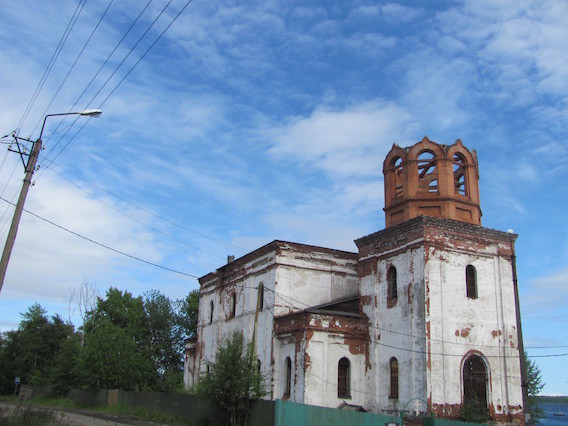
(475, 382)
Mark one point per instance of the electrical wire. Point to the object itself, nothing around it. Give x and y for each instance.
(137, 206)
(53, 59)
(104, 63)
(73, 65)
(106, 246)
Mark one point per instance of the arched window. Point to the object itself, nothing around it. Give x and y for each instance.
(475, 382)
(260, 297)
(210, 312)
(459, 174)
(398, 181)
(288, 382)
(393, 369)
(233, 306)
(343, 378)
(427, 172)
(471, 281)
(392, 290)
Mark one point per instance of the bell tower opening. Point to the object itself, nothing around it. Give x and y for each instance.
(431, 179)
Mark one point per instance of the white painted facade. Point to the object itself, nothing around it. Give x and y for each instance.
(424, 312)
(430, 329)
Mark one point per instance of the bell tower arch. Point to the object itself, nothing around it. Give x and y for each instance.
(431, 179)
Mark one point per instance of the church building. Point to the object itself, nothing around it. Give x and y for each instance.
(424, 311)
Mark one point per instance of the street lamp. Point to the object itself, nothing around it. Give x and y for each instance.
(30, 168)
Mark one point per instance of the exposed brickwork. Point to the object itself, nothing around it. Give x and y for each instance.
(445, 185)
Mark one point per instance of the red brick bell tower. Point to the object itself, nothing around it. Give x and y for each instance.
(433, 180)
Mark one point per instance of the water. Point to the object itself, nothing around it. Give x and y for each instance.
(551, 408)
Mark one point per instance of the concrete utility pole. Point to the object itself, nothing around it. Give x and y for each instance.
(30, 168)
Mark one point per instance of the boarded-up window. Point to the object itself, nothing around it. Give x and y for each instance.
(471, 281)
(343, 378)
(475, 382)
(393, 368)
(288, 382)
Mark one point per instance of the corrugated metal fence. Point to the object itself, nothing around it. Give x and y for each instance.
(288, 413)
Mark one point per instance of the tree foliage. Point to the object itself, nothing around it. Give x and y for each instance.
(123, 342)
(31, 351)
(233, 380)
(534, 386)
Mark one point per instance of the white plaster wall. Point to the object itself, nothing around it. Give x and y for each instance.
(325, 349)
(210, 335)
(460, 326)
(312, 279)
(285, 346)
(397, 332)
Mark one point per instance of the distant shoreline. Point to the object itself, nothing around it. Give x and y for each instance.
(547, 398)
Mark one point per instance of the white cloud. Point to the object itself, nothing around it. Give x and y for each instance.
(342, 142)
(547, 296)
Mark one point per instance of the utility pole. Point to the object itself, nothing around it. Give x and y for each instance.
(521, 346)
(30, 168)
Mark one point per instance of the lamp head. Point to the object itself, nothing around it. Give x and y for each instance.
(91, 112)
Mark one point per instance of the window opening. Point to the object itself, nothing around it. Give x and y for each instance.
(392, 290)
(459, 174)
(475, 382)
(393, 367)
(210, 312)
(233, 305)
(398, 182)
(471, 281)
(288, 383)
(427, 172)
(260, 297)
(343, 379)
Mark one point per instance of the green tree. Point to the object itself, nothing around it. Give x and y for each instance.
(534, 386)
(116, 352)
(112, 359)
(188, 311)
(233, 380)
(30, 351)
(166, 341)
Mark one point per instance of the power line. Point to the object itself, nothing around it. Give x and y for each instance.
(136, 205)
(102, 66)
(53, 59)
(106, 246)
(138, 221)
(129, 71)
(73, 65)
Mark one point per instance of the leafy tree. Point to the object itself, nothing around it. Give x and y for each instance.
(116, 352)
(112, 359)
(64, 373)
(30, 351)
(233, 380)
(166, 342)
(534, 386)
(188, 311)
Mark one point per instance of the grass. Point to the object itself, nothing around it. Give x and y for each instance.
(50, 404)
(29, 416)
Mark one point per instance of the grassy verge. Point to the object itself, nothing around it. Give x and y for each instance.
(50, 404)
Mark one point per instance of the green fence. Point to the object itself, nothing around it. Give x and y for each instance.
(445, 422)
(293, 414)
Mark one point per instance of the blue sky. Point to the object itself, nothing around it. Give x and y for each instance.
(261, 120)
